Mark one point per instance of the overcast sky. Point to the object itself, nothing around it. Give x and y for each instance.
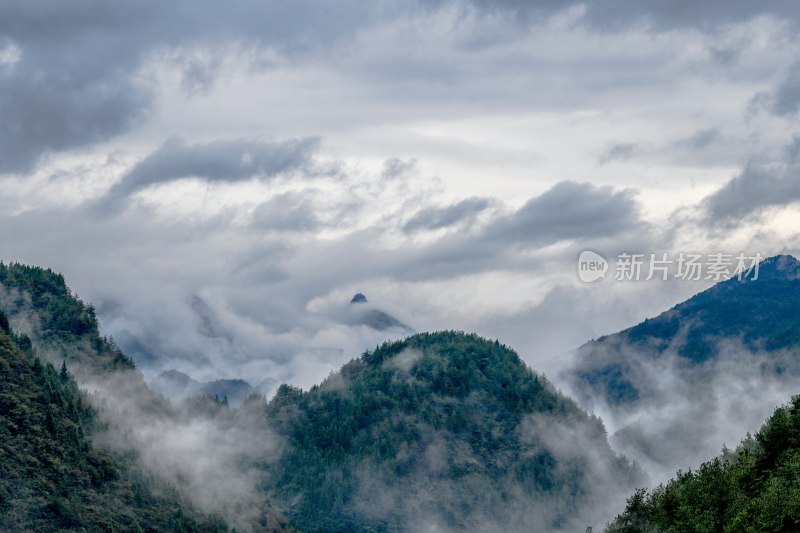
(220, 180)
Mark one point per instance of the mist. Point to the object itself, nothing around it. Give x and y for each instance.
(687, 412)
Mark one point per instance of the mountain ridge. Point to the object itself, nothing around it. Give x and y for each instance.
(763, 314)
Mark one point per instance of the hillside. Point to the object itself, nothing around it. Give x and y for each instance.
(39, 304)
(141, 437)
(754, 488)
(51, 477)
(442, 430)
(759, 316)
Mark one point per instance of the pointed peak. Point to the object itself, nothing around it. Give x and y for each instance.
(358, 299)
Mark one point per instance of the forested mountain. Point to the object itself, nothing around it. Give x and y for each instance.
(39, 304)
(51, 477)
(441, 431)
(753, 488)
(86, 459)
(757, 315)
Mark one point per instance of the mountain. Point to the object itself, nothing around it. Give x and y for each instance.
(443, 432)
(675, 387)
(361, 312)
(753, 488)
(358, 298)
(178, 386)
(61, 327)
(752, 315)
(51, 477)
(114, 456)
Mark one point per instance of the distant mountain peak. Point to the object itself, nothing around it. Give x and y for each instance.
(358, 299)
(177, 386)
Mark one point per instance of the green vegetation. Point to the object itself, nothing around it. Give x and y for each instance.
(51, 476)
(437, 429)
(51, 479)
(754, 488)
(762, 314)
(60, 326)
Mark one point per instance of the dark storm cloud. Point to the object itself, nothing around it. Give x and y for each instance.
(75, 81)
(681, 13)
(432, 218)
(71, 84)
(760, 185)
(785, 99)
(569, 210)
(660, 15)
(217, 161)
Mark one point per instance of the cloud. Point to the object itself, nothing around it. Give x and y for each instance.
(78, 79)
(433, 218)
(681, 14)
(621, 151)
(784, 101)
(760, 185)
(569, 210)
(395, 167)
(224, 161)
(286, 212)
(45, 108)
(685, 413)
(699, 140)
(72, 84)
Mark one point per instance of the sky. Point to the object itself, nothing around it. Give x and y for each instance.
(219, 181)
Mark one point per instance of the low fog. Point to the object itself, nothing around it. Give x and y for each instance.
(686, 412)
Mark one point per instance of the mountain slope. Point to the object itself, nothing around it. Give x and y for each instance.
(761, 315)
(143, 438)
(754, 488)
(443, 430)
(39, 304)
(51, 479)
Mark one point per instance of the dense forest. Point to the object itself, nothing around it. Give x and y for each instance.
(444, 430)
(51, 477)
(39, 304)
(755, 487)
